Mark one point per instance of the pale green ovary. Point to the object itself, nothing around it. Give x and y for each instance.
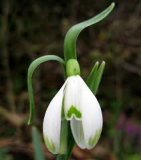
(49, 144)
(93, 139)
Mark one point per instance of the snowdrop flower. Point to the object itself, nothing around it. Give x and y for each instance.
(76, 103)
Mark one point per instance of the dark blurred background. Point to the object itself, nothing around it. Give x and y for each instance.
(33, 28)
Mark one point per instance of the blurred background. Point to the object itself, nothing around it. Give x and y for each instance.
(30, 29)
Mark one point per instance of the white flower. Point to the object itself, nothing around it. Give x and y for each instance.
(81, 108)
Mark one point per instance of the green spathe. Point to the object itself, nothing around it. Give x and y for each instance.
(74, 111)
(72, 67)
(49, 144)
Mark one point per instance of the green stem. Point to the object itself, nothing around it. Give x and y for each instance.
(60, 157)
(71, 143)
(70, 148)
(31, 69)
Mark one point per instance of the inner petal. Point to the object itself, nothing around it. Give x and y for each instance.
(72, 99)
(78, 133)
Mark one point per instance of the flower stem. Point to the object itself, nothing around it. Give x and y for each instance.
(60, 157)
(31, 69)
(71, 143)
(70, 146)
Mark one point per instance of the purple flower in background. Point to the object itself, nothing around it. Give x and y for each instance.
(139, 131)
(139, 135)
(121, 122)
(131, 130)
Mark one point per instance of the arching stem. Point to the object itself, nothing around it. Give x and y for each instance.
(31, 69)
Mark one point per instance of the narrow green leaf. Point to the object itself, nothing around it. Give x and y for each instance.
(74, 31)
(31, 69)
(92, 75)
(38, 150)
(63, 137)
(97, 78)
(71, 143)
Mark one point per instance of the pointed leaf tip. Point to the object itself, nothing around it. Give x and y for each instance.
(98, 77)
(74, 31)
(103, 62)
(95, 76)
(113, 4)
(92, 75)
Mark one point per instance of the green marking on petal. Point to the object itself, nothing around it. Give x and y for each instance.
(93, 140)
(50, 145)
(62, 111)
(74, 111)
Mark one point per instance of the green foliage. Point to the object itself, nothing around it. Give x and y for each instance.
(95, 76)
(4, 155)
(37, 143)
(134, 157)
(72, 34)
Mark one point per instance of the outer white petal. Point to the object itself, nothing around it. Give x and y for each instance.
(52, 122)
(91, 116)
(71, 99)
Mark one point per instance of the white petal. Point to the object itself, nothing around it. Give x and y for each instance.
(52, 122)
(71, 99)
(91, 116)
(77, 131)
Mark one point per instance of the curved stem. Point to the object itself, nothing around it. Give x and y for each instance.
(31, 69)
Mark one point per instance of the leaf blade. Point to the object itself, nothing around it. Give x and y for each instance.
(38, 149)
(92, 75)
(74, 31)
(97, 79)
